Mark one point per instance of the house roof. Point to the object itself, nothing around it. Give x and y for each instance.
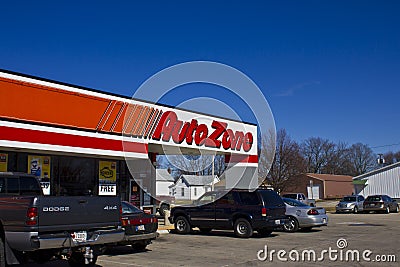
(198, 180)
(162, 175)
(383, 169)
(330, 177)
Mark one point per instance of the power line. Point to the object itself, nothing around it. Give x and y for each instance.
(386, 145)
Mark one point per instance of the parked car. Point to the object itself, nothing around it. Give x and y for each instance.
(353, 203)
(382, 203)
(301, 197)
(302, 216)
(241, 210)
(140, 227)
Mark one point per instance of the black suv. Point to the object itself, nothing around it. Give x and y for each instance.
(241, 210)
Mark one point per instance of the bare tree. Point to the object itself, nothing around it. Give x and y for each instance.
(195, 164)
(288, 162)
(317, 152)
(266, 154)
(362, 159)
(339, 162)
(391, 157)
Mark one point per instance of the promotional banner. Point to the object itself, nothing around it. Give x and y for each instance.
(3, 162)
(107, 178)
(40, 167)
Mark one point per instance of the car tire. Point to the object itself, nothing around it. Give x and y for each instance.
(291, 226)
(2, 253)
(182, 225)
(264, 232)
(355, 210)
(205, 230)
(242, 228)
(387, 211)
(162, 209)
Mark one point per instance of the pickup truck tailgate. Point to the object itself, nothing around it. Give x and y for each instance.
(77, 213)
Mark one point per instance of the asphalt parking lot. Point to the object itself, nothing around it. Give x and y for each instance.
(377, 233)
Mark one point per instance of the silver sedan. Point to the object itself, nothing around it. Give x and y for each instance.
(303, 216)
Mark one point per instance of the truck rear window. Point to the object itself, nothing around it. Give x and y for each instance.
(19, 186)
(29, 186)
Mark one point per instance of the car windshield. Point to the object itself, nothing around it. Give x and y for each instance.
(293, 202)
(374, 198)
(128, 208)
(349, 199)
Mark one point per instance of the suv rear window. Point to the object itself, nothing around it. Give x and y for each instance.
(271, 198)
(249, 198)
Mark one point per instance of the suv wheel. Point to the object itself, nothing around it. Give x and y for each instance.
(291, 226)
(243, 228)
(182, 225)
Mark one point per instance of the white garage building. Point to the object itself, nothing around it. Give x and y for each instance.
(383, 181)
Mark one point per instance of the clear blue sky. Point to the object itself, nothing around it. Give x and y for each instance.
(328, 69)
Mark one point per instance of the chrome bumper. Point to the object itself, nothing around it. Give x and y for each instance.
(97, 238)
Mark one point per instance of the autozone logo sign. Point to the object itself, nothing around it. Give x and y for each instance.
(170, 127)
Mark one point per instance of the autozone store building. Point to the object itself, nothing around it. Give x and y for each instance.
(82, 141)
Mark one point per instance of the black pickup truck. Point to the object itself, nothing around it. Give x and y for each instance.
(241, 210)
(37, 227)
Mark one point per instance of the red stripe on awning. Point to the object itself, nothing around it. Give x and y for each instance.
(62, 139)
(241, 159)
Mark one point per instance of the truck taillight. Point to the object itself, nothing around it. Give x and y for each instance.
(264, 211)
(31, 216)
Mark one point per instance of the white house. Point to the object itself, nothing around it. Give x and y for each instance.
(191, 187)
(164, 181)
(383, 181)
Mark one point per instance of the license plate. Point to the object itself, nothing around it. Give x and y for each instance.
(278, 222)
(140, 228)
(80, 236)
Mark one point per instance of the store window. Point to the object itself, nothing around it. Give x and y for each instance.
(75, 176)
